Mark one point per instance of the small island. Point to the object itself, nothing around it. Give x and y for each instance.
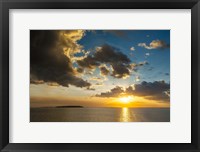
(69, 107)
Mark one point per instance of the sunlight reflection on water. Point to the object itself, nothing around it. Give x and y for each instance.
(126, 115)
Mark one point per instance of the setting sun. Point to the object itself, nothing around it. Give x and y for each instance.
(126, 99)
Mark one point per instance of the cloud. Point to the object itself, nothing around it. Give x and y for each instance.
(89, 62)
(110, 54)
(97, 79)
(155, 44)
(135, 66)
(36, 81)
(80, 70)
(99, 84)
(157, 90)
(115, 92)
(132, 48)
(90, 88)
(50, 57)
(104, 71)
(120, 71)
(142, 63)
(137, 78)
(147, 54)
(53, 84)
(107, 54)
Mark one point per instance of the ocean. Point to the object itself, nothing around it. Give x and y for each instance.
(100, 115)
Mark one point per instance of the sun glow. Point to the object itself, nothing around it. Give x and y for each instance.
(126, 99)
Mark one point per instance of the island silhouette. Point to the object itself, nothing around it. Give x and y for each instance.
(69, 107)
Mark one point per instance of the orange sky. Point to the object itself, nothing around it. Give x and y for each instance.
(50, 96)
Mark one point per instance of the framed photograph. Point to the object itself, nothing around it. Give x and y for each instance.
(99, 75)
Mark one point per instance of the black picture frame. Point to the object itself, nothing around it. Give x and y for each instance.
(5, 5)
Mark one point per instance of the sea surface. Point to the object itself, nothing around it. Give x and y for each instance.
(100, 114)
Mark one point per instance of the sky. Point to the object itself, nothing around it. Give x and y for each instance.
(100, 68)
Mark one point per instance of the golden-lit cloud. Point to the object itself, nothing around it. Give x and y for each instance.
(97, 79)
(157, 90)
(132, 48)
(155, 44)
(115, 92)
(137, 78)
(104, 70)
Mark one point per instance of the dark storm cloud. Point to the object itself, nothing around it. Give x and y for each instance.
(120, 70)
(110, 54)
(48, 61)
(112, 93)
(104, 71)
(88, 62)
(107, 54)
(157, 90)
(80, 70)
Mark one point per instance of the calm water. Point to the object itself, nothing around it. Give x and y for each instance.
(100, 115)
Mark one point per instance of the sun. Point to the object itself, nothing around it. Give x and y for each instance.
(126, 99)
